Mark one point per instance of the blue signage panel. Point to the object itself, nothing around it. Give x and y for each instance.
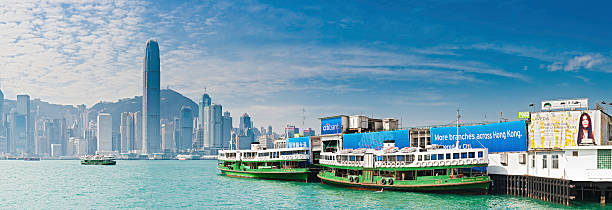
(374, 140)
(497, 137)
(331, 125)
(298, 142)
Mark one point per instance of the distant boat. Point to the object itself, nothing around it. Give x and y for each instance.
(31, 158)
(98, 160)
(188, 157)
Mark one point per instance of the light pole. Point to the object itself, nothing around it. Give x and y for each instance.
(606, 105)
(532, 106)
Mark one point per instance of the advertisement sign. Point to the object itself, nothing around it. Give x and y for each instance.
(497, 137)
(298, 142)
(374, 140)
(565, 128)
(524, 115)
(565, 104)
(331, 125)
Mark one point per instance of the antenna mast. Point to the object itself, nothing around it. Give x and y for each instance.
(303, 118)
(457, 136)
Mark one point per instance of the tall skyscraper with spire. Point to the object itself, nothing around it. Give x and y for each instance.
(150, 99)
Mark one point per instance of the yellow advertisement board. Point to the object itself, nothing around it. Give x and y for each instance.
(564, 128)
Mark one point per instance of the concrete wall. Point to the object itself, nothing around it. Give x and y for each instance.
(512, 168)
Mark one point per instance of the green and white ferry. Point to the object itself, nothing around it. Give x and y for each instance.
(433, 169)
(279, 164)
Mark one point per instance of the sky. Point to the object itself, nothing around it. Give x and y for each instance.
(418, 61)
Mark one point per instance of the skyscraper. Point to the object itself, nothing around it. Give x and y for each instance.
(23, 108)
(227, 130)
(105, 133)
(186, 128)
(216, 111)
(168, 137)
(245, 123)
(177, 133)
(204, 102)
(127, 130)
(150, 100)
(2, 118)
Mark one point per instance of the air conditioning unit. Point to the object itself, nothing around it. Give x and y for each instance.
(523, 159)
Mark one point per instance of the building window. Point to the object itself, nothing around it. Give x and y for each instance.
(555, 161)
(575, 153)
(544, 161)
(603, 159)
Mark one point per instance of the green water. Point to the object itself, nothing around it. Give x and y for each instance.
(171, 184)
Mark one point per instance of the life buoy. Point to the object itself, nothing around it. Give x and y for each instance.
(351, 179)
(356, 179)
(383, 181)
(390, 181)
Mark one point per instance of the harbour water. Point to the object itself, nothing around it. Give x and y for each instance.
(171, 184)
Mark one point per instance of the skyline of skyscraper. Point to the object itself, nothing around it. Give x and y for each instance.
(168, 137)
(151, 99)
(105, 133)
(23, 108)
(186, 131)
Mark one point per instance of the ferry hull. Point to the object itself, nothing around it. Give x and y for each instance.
(301, 176)
(476, 187)
(103, 162)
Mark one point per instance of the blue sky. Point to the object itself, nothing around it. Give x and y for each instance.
(419, 61)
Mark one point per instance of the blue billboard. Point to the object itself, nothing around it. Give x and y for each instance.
(374, 140)
(497, 137)
(298, 142)
(331, 125)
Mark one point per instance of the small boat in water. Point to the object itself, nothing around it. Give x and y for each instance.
(98, 160)
(31, 158)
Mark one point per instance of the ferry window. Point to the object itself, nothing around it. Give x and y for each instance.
(360, 158)
(439, 172)
(463, 155)
(420, 157)
(440, 156)
(555, 161)
(455, 155)
(401, 158)
(448, 155)
(575, 153)
(471, 155)
(533, 161)
(391, 158)
(426, 157)
(544, 161)
(434, 157)
(352, 158)
(378, 158)
(410, 158)
(424, 172)
(479, 154)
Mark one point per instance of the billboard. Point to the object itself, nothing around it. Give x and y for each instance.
(331, 125)
(298, 142)
(524, 115)
(374, 140)
(565, 104)
(566, 128)
(497, 137)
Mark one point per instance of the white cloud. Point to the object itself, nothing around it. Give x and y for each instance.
(587, 61)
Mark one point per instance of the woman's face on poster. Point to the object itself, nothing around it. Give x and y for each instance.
(585, 122)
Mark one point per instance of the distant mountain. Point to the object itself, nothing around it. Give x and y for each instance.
(171, 103)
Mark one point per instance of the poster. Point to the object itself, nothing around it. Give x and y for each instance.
(565, 128)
